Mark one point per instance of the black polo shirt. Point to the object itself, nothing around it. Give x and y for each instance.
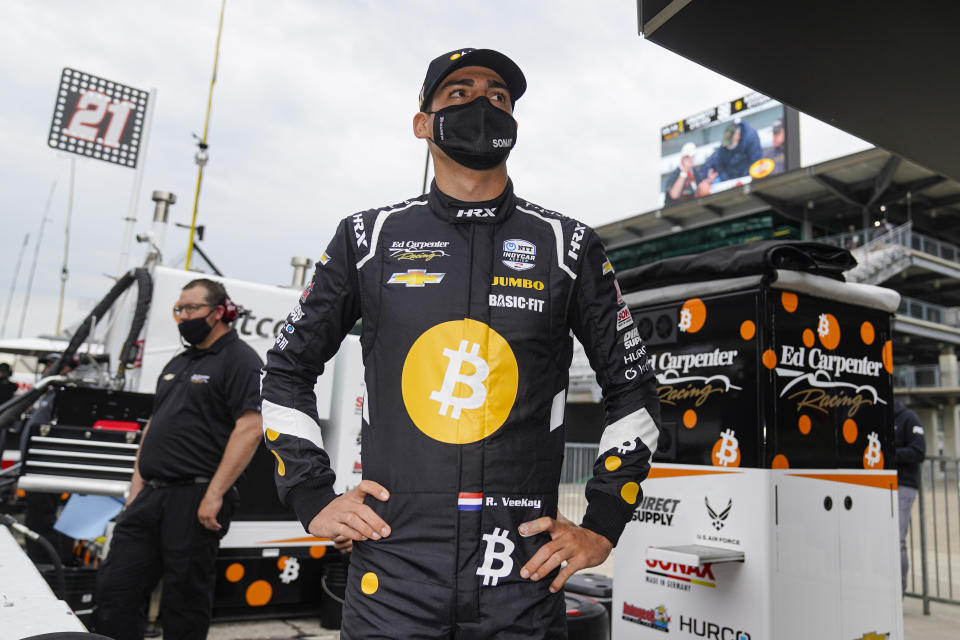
(200, 395)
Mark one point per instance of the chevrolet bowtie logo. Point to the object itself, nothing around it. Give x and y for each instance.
(415, 278)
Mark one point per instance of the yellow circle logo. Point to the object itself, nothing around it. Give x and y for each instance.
(762, 168)
(459, 381)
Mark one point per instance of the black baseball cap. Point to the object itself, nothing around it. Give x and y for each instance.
(449, 62)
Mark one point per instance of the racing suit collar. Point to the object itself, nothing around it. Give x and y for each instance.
(486, 212)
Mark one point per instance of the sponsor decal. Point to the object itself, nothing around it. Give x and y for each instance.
(358, 230)
(656, 511)
(513, 503)
(415, 278)
(502, 142)
(519, 255)
(497, 558)
(680, 576)
(873, 635)
(693, 314)
(706, 629)
(631, 339)
(170, 376)
(682, 363)
(632, 372)
(575, 239)
(726, 450)
(872, 455)
(515, 302)
(816, 359)
(655, 618)
(636, 356)
(918, 429)
(297, 314)
(624, 319)
(607, 268)
(281, 342)
(816, 391)
(718, 518)
(324, 258)
(199, 378)
(476, 213)
(446, 379)
(418, 250)
(520, 283)
(616, 285)
(288, 328)
(469, 501)
(673, 388)
(306, 292)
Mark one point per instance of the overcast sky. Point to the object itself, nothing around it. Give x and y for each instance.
(311, 121)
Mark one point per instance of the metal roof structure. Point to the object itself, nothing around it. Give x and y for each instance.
(825, 198)
(883, 71)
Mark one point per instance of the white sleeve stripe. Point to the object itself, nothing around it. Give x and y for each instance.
(375, 236)
(638, 424)
(290, 422)
(558, 233)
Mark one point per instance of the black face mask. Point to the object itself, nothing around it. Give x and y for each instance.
(195, 330)
(477, 134)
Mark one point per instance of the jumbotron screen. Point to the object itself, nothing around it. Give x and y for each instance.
(726, 146)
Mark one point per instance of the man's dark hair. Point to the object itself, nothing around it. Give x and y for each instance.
(216, 293)
(5, 368)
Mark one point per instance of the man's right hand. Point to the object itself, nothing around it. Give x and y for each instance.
(347, 517)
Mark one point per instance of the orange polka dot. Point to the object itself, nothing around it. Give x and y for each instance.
(689, 418)
(748, 329)
(887, 356)
(715, 456)
(235, 572)
(318, 550)
(804, 424)
(281, 562)
(867, 333)
(259, 593)
(849, 430)
(808, 338)
(789, 301)
(828, 329)
(769, 359)
(780, 462)
(693, 314)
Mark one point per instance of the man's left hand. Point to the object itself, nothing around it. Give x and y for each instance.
(579, 547)
(209, 508)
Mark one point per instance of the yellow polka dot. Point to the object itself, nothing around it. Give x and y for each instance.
(272, 435)
(612, 463)
(369, 583)
(281, 468)
(629, 492)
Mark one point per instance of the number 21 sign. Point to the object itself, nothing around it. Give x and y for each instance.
(98, 118)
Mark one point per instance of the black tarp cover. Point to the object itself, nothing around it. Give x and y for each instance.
(756, 258)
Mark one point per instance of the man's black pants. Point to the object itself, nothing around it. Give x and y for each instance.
(159, 536)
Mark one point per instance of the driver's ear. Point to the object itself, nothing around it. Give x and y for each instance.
(423, 125)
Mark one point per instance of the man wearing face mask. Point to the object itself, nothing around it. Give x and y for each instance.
(469, 296)
(204, 430)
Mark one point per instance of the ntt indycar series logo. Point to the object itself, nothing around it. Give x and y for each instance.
(519, 255)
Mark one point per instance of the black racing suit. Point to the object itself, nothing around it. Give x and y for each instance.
(468, 315)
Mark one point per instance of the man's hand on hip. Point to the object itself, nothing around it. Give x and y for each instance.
(346, 517)
(578, 547)
(209, 508)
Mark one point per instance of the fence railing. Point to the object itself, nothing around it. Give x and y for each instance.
(916, 375)
(577, 468)
(933, 538)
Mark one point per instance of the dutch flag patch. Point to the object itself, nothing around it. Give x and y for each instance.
(469, 501)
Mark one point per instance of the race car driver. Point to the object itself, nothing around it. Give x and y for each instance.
(469, 296)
